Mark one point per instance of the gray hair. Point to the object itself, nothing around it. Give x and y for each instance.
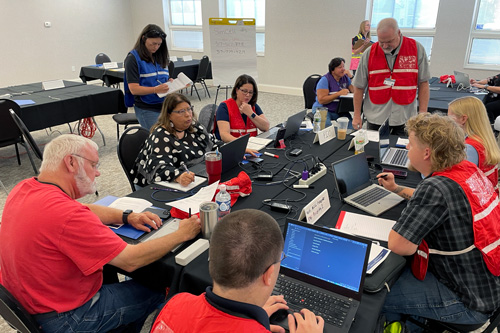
(63, 145)
(388, 24)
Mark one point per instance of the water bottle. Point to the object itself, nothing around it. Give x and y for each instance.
(223, 199)
(317, 122)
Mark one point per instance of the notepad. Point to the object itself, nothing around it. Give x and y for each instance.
(365, 226)
(256, 143)
(178, 84)
(136, 204)
(176, 186)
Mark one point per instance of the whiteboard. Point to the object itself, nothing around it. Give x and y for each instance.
(233, 49)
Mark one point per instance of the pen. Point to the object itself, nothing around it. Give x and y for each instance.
(185, 168)
(303, 186)
(159, 81)
(189, 211)
(272, 155)
(382, 176)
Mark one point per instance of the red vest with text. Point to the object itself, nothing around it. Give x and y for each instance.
(405, 74)
(485, 209)
(490, 171)
(189, 313)
(237, 126)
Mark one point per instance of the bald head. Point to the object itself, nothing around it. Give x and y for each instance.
(388, 34)
(387, 24)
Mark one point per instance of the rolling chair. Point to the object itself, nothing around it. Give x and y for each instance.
(129, 146)
(201, 76)
(101, 58)
(15, 315)
(207, 116)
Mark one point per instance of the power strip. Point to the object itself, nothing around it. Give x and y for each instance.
(315, 177)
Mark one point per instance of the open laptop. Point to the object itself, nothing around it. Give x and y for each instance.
(292, 126)
(389, 155)
(232, 154)
(355, 187)
(330, 265)
(462, 78)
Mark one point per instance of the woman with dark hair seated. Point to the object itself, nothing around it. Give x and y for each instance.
(176, 141)
(335, 83)
(240, 114)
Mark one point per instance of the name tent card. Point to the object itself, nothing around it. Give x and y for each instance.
(110, 65)
(55, 84)
(325, 135)
(316, 208)
(173, 58)
(187, 58)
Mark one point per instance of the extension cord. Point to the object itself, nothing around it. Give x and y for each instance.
(314, 177)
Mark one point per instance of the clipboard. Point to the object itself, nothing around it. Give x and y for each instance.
(360, 43)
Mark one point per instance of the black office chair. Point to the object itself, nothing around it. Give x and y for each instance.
(171, 70)
(308, 89)
(126, 119)
(201, 76)
(129, 146)
(207, 116)
(27, 135)
(101, 58)
(15, 315)
(10, 133)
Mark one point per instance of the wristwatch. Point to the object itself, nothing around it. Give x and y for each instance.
(486, 86)
(253, 116)
(125, 215)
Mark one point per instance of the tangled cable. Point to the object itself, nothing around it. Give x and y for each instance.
(87, 128)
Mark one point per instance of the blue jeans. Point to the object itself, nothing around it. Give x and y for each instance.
(334, 116)
(146, 118)
(115, 305)
(427, 299)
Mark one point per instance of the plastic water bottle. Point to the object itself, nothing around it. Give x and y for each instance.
(223, 199)
(317, 122)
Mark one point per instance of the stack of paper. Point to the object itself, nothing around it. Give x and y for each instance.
(256, 143)
(180, 83)
(365, 226)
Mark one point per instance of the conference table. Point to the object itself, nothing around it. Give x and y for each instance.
(441, 95)
(194, 277)
(114, 76)
(46, 108)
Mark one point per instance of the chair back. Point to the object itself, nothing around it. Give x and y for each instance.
(171, 70)
(9, 132)
(15, 314)
(129, 147)
(27, 135)
(207, 116)
(308, 89)
(101, 58)
(203, 68)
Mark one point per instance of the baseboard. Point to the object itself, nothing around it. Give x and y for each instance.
(280, 89)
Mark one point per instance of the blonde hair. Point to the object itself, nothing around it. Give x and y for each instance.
(477, 125)
(443, 136)
(62, 146)
(362, 29)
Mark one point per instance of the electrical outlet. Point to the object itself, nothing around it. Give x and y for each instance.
(73, 68)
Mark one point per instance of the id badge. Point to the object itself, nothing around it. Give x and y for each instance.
(389, 82)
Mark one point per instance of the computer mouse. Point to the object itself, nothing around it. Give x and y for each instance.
(279, 316)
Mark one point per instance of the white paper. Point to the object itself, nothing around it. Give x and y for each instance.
(306, 125)
(176, 186)
(187, 58)
(204, 194)
(377, 256)
(110, 65)
(367, 226)
(136, 204)
(372, 135)
(173, 58)
(256, 143)
(181, 82)
(402, 142)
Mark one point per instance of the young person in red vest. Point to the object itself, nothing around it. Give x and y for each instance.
(452, 220)
(240, 114)
(470, 114)
(395, 70)
(246, 249)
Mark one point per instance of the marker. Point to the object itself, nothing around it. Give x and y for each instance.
(272, 155)
(303, 186)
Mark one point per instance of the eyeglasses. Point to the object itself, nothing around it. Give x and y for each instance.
(93, 164)
(246, 92)
(283, 257)
(183, 111)
(155, 34)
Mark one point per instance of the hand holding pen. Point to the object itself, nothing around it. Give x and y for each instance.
(386, 179)
(161, 88)
(186, 177)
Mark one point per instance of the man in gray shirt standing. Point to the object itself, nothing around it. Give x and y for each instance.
(395, 70)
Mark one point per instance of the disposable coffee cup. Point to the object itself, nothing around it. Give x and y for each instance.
(208, 218)
(342, 127)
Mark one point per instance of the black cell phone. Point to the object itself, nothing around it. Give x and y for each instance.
(254, 159)
(162, 213)
(296, 152)
(397, 173)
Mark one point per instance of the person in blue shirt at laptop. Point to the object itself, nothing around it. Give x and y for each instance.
(332, 85)
(175, 142)
(240, 114)
(146, 74)
(246, 249)
(460, 284)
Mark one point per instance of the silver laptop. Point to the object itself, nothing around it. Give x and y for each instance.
(323, 268)
(462, 78)
(355, 187)
(390, 155)
(292, 126)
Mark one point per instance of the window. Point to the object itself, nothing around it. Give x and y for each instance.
(185, 23)
(484, 40)
(250, 9)
(416, 18)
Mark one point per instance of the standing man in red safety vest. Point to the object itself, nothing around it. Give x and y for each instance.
(395, 70)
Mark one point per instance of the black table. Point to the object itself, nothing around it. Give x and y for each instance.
(114, 76)
(441, 96)
(74, 102)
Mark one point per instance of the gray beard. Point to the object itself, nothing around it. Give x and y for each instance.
(83, 183)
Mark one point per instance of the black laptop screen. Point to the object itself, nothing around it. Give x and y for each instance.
(328, 257)
(352, 174)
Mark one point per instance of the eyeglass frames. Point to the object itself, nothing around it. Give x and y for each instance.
(183, 111)
(93, 164)
(246, 92)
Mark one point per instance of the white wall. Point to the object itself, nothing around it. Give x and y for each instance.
(301, 37)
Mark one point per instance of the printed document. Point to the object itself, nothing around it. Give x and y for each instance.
(180, 83)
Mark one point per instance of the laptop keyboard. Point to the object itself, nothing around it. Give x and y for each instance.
(332, 309)
(400, 157)
(367, 198)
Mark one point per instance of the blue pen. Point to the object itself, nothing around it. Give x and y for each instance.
(186, 168)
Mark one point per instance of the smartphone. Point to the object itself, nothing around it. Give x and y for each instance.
(397, 173)
(254, 159)
(296, 152)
